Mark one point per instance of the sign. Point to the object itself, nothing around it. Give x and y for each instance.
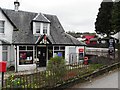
(111, 46)
(81, 50)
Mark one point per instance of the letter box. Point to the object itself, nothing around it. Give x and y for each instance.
(86, 60)
(3, 66)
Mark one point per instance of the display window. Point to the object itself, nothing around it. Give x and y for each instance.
(26, 55)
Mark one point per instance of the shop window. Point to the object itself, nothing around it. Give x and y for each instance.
(56, 48)
(26, 55)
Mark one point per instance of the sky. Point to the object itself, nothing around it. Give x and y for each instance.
(74, 15)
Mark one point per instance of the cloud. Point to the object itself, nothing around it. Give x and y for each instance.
(77, 15)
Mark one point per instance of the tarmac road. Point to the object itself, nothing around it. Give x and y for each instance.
(109, 80)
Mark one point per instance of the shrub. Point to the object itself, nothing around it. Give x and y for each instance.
(57, 69)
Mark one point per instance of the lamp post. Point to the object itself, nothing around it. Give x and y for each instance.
(0, 67)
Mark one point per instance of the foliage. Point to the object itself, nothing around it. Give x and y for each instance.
(79, 35)
(116, 16)
(103, 23)
(14, 82)
(56, 65)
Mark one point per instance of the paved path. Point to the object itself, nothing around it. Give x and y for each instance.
(105, 81)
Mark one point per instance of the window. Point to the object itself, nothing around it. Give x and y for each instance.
(59, 51)
(38, 28)
(4, 53)
(45, 26)
(41, 28)
(2, 26)
(26, 55)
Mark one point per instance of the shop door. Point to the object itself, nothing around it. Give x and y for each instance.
(41, 54)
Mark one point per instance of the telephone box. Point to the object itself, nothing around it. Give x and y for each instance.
(3, 66)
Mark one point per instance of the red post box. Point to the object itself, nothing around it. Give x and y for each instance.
(3, 66)
(86, 60)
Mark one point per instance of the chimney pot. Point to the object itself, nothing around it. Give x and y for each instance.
(16, 4)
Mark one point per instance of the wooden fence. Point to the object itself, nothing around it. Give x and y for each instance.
(50, 78)
(46, 79)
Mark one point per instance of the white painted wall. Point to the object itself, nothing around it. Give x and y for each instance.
(0, 51)
(73, 50)
(26, 67)
(67, 54)
(8, 29)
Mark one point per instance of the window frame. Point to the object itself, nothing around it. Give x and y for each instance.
(26, 50)
(37, 24)
(2, 27)
(5, 51)
(45, 28)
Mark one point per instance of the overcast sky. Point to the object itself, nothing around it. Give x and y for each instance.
(74, 15)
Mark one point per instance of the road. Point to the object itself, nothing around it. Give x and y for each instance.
(105, 81)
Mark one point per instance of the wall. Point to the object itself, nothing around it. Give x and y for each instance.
(72, 54)
(26, 67)
(8, 29)
(0, 51)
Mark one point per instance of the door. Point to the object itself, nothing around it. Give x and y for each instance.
(41, 54)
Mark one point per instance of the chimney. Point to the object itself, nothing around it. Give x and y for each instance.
(16, 4)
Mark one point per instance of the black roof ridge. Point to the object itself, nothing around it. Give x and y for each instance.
(20, 11)
(29, 12)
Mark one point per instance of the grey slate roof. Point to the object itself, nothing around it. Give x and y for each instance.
(41, 18)
(22, 20)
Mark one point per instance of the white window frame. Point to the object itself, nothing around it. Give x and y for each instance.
(26, 50)
(38, 25)
(2, 27)
(5, 51)
(45, 28)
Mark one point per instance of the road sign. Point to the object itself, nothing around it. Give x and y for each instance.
(111, 46)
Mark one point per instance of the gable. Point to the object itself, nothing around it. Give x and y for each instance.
(8, 28)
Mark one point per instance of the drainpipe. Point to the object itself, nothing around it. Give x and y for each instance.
(16, 70)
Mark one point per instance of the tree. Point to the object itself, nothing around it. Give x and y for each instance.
(116, 16)
(103, 23)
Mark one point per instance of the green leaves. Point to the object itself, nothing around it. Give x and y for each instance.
(116, 16)
(108, 18)
(103, 22)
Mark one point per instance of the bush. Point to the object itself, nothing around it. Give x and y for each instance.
(57, 70)
(56, 65)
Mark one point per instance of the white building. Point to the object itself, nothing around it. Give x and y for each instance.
(28, 36)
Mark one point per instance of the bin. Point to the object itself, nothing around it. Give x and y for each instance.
(3, 66)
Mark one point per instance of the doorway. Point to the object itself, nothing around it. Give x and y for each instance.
(41, 54)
